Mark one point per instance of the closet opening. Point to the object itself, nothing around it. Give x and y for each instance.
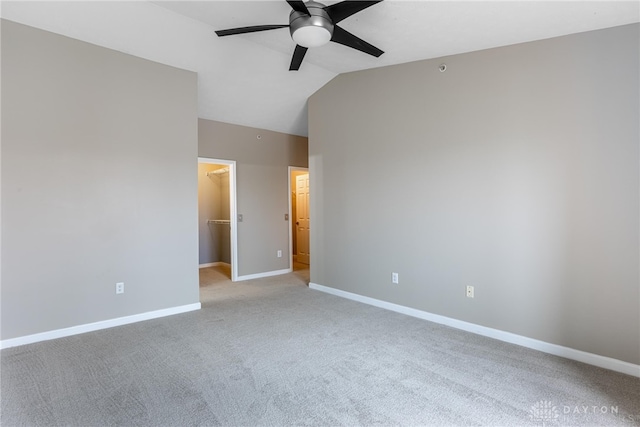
(216, 216)
(299, 214)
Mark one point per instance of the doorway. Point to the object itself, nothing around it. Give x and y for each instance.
(299, 214)
(217, 226)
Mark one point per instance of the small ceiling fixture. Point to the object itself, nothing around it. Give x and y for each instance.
(313, 24)
(312, 30)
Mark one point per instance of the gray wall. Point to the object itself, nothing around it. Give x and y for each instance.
(262, 189)
(208, 208)
(99, 156)
(515, 171)
(223, 232)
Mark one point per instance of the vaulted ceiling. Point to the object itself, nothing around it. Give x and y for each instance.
(245, 79)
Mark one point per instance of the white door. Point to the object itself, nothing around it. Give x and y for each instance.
(302, 217)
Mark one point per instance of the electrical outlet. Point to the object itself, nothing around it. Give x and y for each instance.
(279, 253)
(469, 291)
(394, 277)
(120, 288)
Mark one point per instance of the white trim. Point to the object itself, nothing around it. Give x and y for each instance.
(214, 264)
(558, 350)
(233, 207)
(209, 264)
(265, 274)
(90, 327)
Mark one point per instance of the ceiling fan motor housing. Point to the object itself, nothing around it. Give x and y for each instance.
(311, 30)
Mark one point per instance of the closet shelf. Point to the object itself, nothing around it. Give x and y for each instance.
(218, 172)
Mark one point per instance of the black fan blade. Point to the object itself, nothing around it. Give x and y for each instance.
(345, 9)
(298, 55)
(344, 37)
(244, 30)
(298, 6)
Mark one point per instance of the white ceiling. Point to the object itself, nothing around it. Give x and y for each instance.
(244, 79)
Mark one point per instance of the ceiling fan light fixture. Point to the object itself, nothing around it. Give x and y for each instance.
(311, 36)
(313, 29)
(312, 24)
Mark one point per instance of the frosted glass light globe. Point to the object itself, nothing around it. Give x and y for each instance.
(311, 36)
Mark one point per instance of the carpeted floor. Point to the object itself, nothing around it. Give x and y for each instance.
(271, 352)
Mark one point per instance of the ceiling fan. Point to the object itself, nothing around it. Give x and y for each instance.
(313, 24)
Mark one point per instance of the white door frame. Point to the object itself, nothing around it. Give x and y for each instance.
(233, 219)
(291, 218)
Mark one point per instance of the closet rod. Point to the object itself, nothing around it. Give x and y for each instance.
(219, 221)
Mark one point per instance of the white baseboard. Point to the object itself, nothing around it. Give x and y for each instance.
(90, 327)
(213, 264)
(265, 274)
(558, 350)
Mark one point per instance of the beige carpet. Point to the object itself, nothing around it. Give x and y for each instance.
(272, 352)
